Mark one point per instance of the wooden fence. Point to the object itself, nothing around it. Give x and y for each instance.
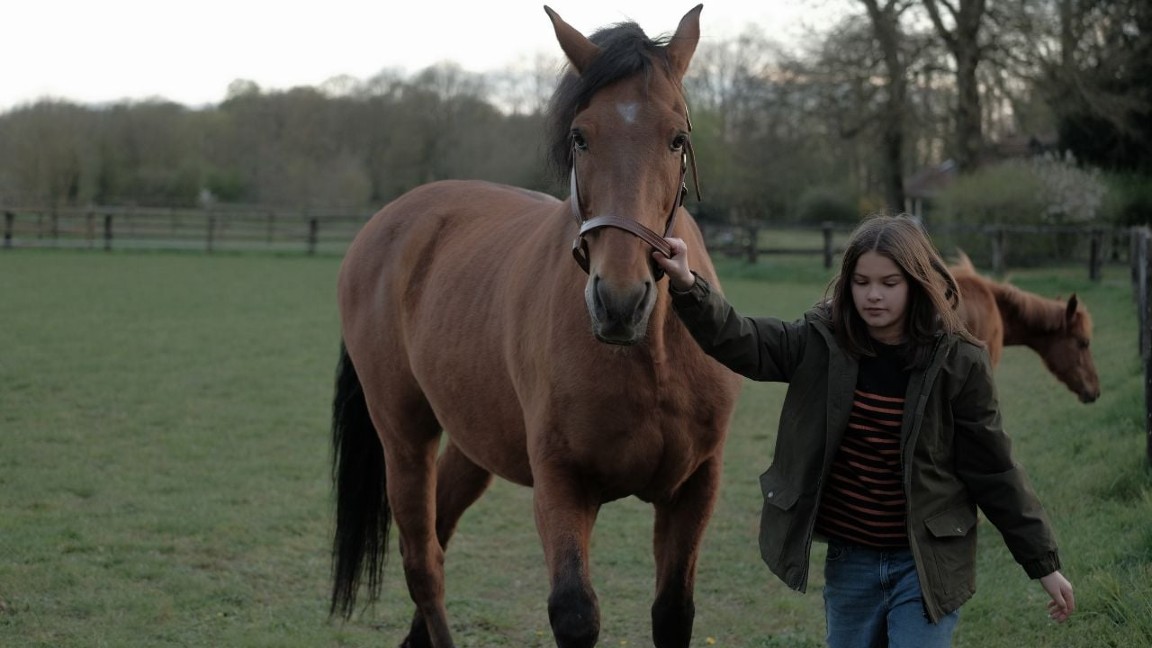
(330, 231)
(996, 247)
(207, 230)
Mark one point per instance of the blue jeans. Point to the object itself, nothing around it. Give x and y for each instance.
(872, 599)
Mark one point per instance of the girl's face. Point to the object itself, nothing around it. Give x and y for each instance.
(880, 294)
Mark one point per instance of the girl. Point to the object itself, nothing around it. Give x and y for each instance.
(889, 439)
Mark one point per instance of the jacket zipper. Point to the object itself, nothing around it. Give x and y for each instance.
(913, 434)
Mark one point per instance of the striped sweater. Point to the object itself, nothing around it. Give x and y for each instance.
(863, 500)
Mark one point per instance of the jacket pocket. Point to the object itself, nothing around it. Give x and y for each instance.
(777, 491)
(782, 544)
(955, 522)
(950, 553)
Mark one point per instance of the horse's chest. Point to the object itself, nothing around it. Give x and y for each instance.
(631, 450)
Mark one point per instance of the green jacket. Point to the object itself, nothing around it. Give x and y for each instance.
(956, 456)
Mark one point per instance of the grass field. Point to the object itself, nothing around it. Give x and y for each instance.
(164, 475)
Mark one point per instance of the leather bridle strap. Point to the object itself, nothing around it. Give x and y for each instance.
(656, 241)
(628, 225)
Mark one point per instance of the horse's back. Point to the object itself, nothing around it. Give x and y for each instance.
(434, 292)
(979, 310)
(449, 222)
(449, 210)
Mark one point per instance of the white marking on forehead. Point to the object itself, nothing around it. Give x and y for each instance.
(628, 111)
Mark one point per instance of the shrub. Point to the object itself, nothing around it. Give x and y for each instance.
(1129, 199)
(1042, 191)
(824, 203)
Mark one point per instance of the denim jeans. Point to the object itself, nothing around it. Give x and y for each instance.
(872, 599)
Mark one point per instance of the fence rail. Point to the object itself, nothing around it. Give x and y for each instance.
(208, 230)
(330, 231)
(994, 246)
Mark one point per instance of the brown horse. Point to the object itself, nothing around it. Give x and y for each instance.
(463, 314)
(1003, 315)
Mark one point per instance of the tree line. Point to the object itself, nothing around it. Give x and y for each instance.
(841, 126)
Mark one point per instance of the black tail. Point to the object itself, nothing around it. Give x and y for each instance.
(362, 513)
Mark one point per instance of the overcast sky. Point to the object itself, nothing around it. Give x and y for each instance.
(94, 51)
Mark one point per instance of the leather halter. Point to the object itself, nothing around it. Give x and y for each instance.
(656, 241)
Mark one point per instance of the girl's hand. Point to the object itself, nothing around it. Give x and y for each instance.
(1059, 589)
(676, 266)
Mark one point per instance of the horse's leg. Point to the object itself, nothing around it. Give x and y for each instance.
(459, 483)
(679, 529)
(410, 449)
(564, 519)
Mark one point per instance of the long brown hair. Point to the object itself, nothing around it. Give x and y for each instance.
(932, 291)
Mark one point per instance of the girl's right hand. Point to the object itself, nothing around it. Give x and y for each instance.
(1063, 604)
(676, 266)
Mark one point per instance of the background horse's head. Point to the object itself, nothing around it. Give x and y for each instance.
(619, 134)
(1068, 353)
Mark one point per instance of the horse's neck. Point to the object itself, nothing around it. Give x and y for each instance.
(1025, 315)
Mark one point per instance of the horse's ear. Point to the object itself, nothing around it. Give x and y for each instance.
(963, 262)
(579, 50)
(1070, 311)
(683, 43)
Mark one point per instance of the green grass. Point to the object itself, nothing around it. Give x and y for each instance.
(164, 475)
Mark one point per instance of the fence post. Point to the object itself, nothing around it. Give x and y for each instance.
(9, 218)
(313, 234)
(211, 231)
(107, 232)
(1139, 267)
(827, 230)
(1145, 320)
(1094, 256)
(1136, 236)
(997, 234)
(753, 243)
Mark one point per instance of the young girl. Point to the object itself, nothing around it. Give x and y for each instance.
(889, 439)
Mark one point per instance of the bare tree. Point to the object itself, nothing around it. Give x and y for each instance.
(887, 30)
(963, 41)
(45, 149)
(1090, 61)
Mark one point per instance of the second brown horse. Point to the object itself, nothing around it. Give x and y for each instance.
(1059, 331)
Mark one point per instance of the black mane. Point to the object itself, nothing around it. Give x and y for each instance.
(627, 51)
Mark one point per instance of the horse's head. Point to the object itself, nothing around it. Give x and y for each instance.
(620, 132)
(1069, 355)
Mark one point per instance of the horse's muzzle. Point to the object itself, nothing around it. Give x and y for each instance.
(619, 316)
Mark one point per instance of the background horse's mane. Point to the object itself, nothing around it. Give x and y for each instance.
(626, 51)
(1040, 312)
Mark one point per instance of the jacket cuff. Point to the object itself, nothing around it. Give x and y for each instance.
(1043, 566)
(691, 300)
(696, 291)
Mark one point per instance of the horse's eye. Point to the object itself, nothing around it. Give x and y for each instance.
(1083, 344)
(679, 142)
(578, 141)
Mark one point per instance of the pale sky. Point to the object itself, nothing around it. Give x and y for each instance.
(96, 51)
